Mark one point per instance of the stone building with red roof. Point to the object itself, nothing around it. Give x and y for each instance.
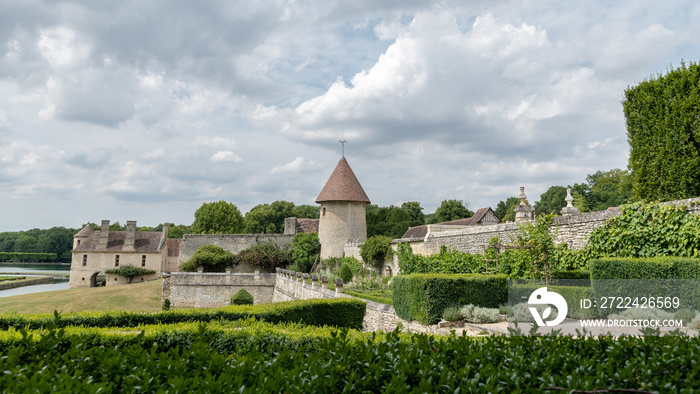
(342, 216)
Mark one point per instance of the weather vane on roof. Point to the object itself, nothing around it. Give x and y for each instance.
(343, 142)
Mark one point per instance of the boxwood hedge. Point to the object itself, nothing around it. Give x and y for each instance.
(424, 297)
(191, 360)
(337, 312)
(648, 278)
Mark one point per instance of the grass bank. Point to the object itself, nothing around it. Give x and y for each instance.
(143, 296)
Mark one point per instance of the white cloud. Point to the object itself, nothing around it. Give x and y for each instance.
(297, 165)
(226, 156)
(61, 47)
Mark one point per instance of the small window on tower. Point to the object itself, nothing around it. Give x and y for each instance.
(84, 260)
(323, 212)
(143, 260)
(116, 261)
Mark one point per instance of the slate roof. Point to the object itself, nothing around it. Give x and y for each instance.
(144, 242)
(419, 232)
(343, 186)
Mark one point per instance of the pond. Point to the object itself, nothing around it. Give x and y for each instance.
(60, 282)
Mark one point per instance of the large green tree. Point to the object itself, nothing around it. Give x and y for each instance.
(415, 212)
(268, 218)
(451, 210)
(551, 201)
(663, 131)
(218, 218)
(504, 209)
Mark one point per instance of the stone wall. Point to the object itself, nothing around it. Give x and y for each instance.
(289, 286)
(209, 290)
(234, 243)
(572, 230)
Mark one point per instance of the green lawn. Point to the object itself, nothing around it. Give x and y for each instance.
(11, 278)
(381, 296)
(143, 296)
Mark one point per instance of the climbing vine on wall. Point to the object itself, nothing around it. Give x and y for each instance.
(648, 230)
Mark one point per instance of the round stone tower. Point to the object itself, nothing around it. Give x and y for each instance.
(342, 216)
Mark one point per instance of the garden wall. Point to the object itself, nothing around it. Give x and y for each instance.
(234, 243)
(378, 317)
(572, 230)
(210, 290)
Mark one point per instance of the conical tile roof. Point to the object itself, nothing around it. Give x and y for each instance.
(343, 186)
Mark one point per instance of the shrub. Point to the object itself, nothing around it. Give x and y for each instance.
(266, 255)
(166, 304)
(424, 297)
(476, 314)
(452, 314)
(242, 297)
(448, 261)
(687, 315)
(305, 249)
(130, 272)
(210, 257)
(375, 250)
(345, 273)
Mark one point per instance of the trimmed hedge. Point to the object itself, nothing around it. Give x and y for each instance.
(337, 312)
(242, 298)
(645, 268)
(424, 297)
(204, 358)
(648, 277)
(27, 256)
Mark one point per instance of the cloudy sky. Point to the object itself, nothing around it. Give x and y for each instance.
(144, 110)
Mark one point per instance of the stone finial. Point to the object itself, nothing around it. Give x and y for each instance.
(569, 209)
(523, 211)
(229, 270)
(314, 280)
(200, 269)
(305, 278)
(522, 196)
(324, 282)
(298, 275)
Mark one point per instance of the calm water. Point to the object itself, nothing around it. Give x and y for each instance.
(48, 269)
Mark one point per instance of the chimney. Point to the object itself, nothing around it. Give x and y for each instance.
(130, 239)
(104, 235)
(165, 231)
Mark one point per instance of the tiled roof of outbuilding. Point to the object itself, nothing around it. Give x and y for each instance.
(343, 186)
(419, 232)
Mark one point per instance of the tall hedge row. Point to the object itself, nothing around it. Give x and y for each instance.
(340, 312)
(424, 297)
(30, 257)
(663, 130)
(649, 278)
